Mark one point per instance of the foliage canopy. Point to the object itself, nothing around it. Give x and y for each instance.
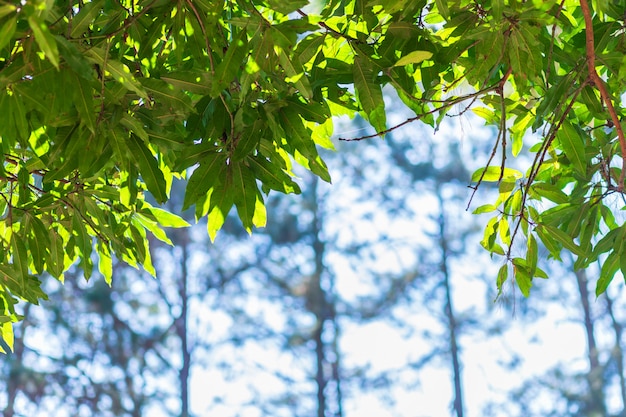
(103, 100)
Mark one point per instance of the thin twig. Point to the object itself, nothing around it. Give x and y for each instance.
(446, 105)
(331, 30)
(539, 158)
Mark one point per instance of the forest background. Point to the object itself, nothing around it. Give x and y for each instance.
(116, 115)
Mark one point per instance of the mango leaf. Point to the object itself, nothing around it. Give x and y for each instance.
(105, 263)
(369, 93)
(56, 259)
(286, 6)
(295, 75)
(167, 95)
(523, 278)
(45, 39)
(38, 242)
(164, 217)
(609, 267)
(83, 97)
(227, 70)
(495, 173)
(83, 240)
(549, 243)
(153, 227)
(272, 175)
(85, 17)
(148, 168)
(20, 260)
(573, 146)
(204, 177)
(442, 7)
(6, 331)
(563, 238)
(193, 81)
(244, 190)
(485, 208)
(414, 57)
(503, 274)
(220, 204)
(7, 30)
(119, 71)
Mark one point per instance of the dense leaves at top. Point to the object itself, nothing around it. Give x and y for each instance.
(104, 100)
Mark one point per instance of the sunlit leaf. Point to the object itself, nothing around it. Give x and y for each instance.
(44, 39)
(414, 57)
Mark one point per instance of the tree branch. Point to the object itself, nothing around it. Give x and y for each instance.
(447, 104)
(599, 83)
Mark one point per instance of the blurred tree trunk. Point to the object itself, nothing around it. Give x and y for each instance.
(449, 308)
(618, 351)
(320, 302)
(182, 323)
(595, 406)
(15, 366)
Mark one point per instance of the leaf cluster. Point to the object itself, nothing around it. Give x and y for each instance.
(104, 102)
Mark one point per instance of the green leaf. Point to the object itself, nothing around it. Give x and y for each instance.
(38, 242)
(503, 274)
(549, 243)
(573, 146)
(495, 173)
(193, 81)
(296, 75)
(85, 17)
(563, 238)
(6, 330)
(167, 95)
(227, 70)
(56, 260)
(532, 254)
(153, 227)
(83, 240)
(271, 175)
(221, 202)
(105, 263)
(7, 9)
(7, 31)
(83, 97)
(244, 194)
(45, 39)
(204, 177)
(148, 168)
(135, 125)
(442, 7)
(486, 208)
(20, 259)
(287, 6)
(522, 275)
(119, 71)
(414, 57)
(369, 93)
(165, 218)
(609, 267)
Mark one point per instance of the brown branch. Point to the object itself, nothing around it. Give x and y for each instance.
(536, 165)
(500, 91)
(446, 105)
(599, 83)
(500, 139)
